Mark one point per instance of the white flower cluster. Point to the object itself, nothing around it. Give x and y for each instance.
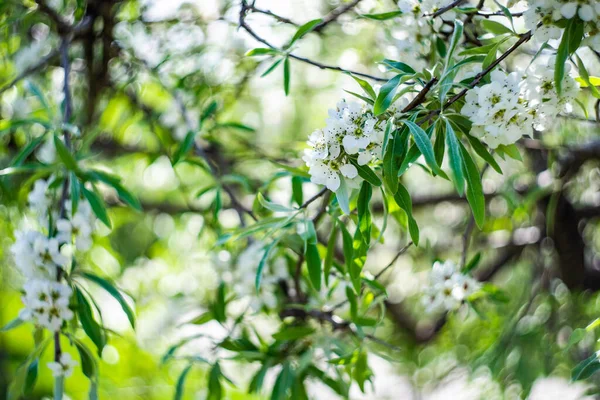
(46, 303)
(551, 11)
(448, 288)
(64, 367)
(510, 105)
(38, 254)
(351, 131)
(539, 90)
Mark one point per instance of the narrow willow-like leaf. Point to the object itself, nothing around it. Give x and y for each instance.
(180, 386)
(475, 195)
(114, 292)
(386, 95)
(364, 214)
(366, 86)
(382, 16)
(365, 172)
(97, 205)
(261, 265)
(286, 76)
(313, 263)
(423, 142)
(402, 198)
(304, 29)
(455, 158)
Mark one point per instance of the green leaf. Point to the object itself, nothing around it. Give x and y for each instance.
(365, 172)
(576, 336)
(27, 150)
(382, 16)
(297, 194)
(219, 307)
(313, 262)
(257, 381)
(399, 66)
(114, 292)
(455, 158)
(472, 264)
(12, 325)
(284, 382)
(179, 388)
(293, 332)
(89, 365)
(570, 41)
(23, 380)
(261, 51)
(286, 76)
(32, 374)
(271, 68)
(97, 205)
(483, 153)
(329, 256)
(393, 158)
(65, 155)
(347, 245)
(386, 95)
(495, 27)
(304, 29)
(366, 86)
(364, 214)
(512, 151)
(209, 110)
(585, 76)
(475, 195)
(113, 181)
(456, 37)
(402, 198)
(424, 144)
(363, 98)
(184, 147)
(586, 368)
(261, 265)
(88, 322)
(272, 206)
(215, 389)
(353, 303)
(389, 126)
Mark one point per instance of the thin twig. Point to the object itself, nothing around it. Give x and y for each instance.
(76, 32)
(272, 14)
(442, 10)
(335, 14)
(314, 198)
(420, 97)
(243, 24)
(391, 263)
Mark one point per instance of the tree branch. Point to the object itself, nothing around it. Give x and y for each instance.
(243, 24)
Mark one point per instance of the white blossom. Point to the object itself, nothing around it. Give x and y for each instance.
(39, 198)
(64, 367)
(351, 129)
(549, 12)
(499, 114)
(36, 255)
(448, 288)
(46, 303)
(78, 227)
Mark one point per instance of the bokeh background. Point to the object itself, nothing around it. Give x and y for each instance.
(166, 258)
